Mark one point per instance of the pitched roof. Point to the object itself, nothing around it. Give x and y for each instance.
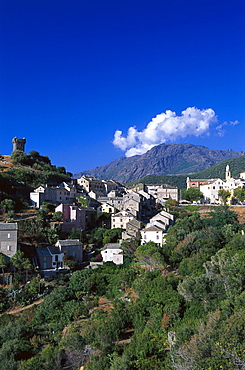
(112, 246)
(43, 252)
(8, 226)
(68, 242)
(152, 228)
(54, 250)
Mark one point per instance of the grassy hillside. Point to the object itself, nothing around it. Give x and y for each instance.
(18, 179)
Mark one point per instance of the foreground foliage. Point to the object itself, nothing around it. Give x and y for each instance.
(179, 307)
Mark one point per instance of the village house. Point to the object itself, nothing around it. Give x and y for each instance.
(71, 248)
(8, 238)
(107, 208)
(163, 192)
(133, 228)
(50, 260)
(120, 219)
(91, 184)
(116, 202)
(63, 193)
(132, 202)
(76, 217)
(152, 233)
(156, 229)
(112, 253)
(163, 218)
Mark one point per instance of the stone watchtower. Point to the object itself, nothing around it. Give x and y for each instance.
(18, 144)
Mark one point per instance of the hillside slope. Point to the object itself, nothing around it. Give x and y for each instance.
(162, 160)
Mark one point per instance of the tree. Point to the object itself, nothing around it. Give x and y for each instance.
(58, 216)
(18, 157)
(149, 253)
(224, 195)
(129, 246)
(7, 205)
(239, 194)
(19, 261)
(3, 263)
(192, 194)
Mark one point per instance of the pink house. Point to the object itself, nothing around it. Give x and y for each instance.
(75, 217)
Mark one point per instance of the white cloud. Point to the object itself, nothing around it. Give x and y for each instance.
(165, 127)
(220, 129)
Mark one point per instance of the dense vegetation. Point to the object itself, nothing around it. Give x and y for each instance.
(176, 307)
(31, 170)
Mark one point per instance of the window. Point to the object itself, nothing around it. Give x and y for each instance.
(9, 248)
(9, 236)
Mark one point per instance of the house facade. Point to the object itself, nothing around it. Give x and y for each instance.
(163, 192)
(8, 238)
(120, 219)
(112, 253)
(72, 248)
(50, 259)
(152, 233)
(63, 193)
(76, 217)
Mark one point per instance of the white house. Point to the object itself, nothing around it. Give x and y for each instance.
(152, 233)
(112, 253)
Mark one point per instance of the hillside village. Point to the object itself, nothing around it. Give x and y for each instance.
(140, 212)
(96, 275)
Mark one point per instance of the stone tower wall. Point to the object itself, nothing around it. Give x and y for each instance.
(18, 144)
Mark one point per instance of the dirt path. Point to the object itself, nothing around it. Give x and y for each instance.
(19, 309)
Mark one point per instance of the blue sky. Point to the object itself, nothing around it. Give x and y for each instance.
(74, 73)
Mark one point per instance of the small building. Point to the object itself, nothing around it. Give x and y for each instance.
(63, 193)
(112, 253)
(8, 238)
(163, 192)
(133, 228)
(107, 208)
(71, 248)
(50, 259)
(76, 217)
(120, 219)
(152, 233)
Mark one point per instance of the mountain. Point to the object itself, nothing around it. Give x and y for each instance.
(237, 165)
(163, 159)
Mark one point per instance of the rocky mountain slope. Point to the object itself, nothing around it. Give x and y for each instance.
(163, 159)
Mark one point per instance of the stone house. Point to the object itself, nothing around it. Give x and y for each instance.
(71, 248)
(133, 228)
(120, 219)
(107, 208)
(50, 258)
(163, 218)
(63, 193)
(8, 238)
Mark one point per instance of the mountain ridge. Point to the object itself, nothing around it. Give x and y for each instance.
(163, 159)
